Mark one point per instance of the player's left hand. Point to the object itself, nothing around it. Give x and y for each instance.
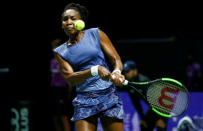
(117, 79)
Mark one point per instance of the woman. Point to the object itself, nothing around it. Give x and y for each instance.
(82, 64)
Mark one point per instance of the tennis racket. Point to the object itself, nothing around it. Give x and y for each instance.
(167, 97)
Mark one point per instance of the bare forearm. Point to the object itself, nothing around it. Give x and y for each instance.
(117, 63)
(110, 50)
(76, 78)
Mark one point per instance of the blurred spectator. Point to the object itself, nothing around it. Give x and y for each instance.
(61, 94)
(193, 72)
(190, 124)
(131, 74)
(151, 119)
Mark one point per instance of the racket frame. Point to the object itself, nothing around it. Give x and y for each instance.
(147, 83)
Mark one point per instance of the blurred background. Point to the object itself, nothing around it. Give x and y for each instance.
(164, 39)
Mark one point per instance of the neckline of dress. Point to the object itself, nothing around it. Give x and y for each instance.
(79, 41)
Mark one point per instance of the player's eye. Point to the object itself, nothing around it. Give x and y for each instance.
(73, 18)
(65, 18)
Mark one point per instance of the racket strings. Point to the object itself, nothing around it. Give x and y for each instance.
(179, 100)
(177, 106)
(181, 97)
(152, 97)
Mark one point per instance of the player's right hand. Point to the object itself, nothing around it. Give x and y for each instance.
(104, 73)
(117, 79)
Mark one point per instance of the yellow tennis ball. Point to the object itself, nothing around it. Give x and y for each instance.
(79, 25)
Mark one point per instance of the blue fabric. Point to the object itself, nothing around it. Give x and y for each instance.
(82, 56)
(104, 103)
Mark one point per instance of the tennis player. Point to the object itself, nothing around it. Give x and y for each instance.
(83, 64)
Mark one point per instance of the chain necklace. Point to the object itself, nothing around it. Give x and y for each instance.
(69, 42)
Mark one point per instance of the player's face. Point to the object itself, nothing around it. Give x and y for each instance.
(68, 20)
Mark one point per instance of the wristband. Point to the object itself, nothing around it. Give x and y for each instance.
(117, 70)
(94, 70)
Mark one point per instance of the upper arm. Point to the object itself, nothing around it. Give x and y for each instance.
(65, 67)
(107, 46)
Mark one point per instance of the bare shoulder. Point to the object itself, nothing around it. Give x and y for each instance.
(102, 35)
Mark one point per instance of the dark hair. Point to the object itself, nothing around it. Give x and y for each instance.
(129, 65)
(80, 8)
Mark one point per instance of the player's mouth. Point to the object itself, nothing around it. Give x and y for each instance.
(70, 27)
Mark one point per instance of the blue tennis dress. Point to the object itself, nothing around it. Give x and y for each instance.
(94, 96)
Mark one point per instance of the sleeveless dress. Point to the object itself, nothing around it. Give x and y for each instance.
(94, 96)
